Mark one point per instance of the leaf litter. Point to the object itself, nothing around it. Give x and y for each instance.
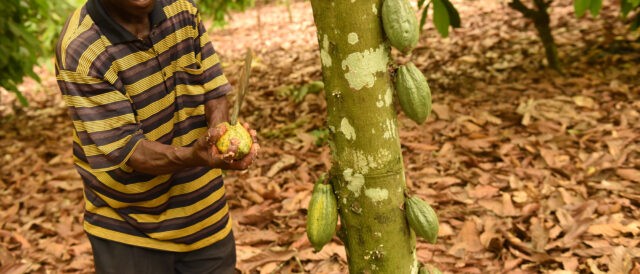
(530, 171)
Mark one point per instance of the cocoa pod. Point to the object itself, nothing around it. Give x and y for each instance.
(413, 93)
(422, 218)
(236, 131)
(322, 215)
(400, 24)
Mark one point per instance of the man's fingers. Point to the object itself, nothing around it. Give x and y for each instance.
(217, 132)
(254, 135)
(251, 157)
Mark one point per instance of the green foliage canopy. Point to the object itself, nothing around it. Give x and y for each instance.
(217, 9)
(28, 29)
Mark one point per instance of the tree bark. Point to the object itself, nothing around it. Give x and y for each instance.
(541, 20)
(367, 168)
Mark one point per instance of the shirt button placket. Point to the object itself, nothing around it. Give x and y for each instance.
(153, 38)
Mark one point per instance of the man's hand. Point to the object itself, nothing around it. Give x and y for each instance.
(206, 150)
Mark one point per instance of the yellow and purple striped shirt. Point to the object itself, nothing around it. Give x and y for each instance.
(121, 90)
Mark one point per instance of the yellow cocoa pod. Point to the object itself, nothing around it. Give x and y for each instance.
(422, 218)
(322, 215)
(236, 131)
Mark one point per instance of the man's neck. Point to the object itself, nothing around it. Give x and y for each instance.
(138, 25)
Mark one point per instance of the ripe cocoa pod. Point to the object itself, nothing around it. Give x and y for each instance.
(322, 215)
(422, 218)
(236, 131)
(400, 24)
(413, 93)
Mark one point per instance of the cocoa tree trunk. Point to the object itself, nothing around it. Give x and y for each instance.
(541, 20)
(367, 172)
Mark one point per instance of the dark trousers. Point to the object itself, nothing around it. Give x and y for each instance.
(113, 257)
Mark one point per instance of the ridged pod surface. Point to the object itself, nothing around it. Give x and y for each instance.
(422, 218)
(429, 269)
(322, 215)
(236, 131)
(400, 24)
(413, 93)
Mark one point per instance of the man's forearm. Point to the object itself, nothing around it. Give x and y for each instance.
(217, 111)
(156, 158)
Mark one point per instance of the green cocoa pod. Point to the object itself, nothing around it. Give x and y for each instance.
(413, 93)
(322, 215)
(400, 24)
(429, 269)
(422, 218)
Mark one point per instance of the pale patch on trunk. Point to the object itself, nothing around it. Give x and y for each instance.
(388, 97)
(377, 194)
(389, 130)
(352, 38)
(347, 129)
(363, 67)
(324, 52)
(355, 182)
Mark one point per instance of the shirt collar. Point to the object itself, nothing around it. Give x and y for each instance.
(114, 31)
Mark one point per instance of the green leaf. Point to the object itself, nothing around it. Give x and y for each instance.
(580, 7)
(420, 3)
(441, 18)
(594, 7)
(625, 8)
(636, 23)
(22, 99)
(454, 17)
(634, 3)
(423, 17)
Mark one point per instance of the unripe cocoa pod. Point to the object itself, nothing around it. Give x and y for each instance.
(400, 24)
(413, 93)
(422, 218)
(429, 269)
(322, 215)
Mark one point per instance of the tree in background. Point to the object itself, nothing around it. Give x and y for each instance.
(28, 29)
(539, 14)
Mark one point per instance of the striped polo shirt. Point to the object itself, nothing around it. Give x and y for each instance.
(120, 90)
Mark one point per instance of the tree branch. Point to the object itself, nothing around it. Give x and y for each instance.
(542, 5)
(527, 12)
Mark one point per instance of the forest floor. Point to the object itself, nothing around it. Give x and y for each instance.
(530, 171)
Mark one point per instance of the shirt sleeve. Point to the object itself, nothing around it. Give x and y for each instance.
(103, 119)
(216, 84)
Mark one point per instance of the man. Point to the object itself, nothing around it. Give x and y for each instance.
(145, 90)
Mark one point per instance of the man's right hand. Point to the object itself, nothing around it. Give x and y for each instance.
(206, 150)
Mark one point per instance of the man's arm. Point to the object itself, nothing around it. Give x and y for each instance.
(216, 111)
(156, 158)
